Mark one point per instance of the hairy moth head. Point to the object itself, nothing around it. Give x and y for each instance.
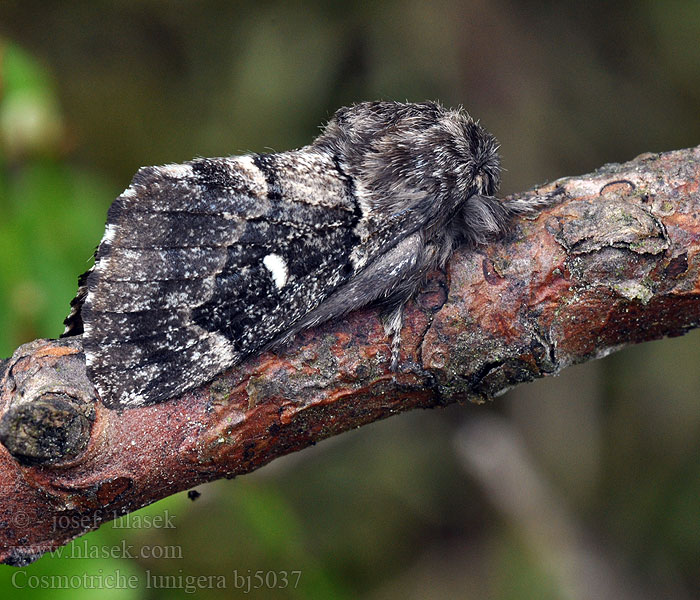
(435, 163)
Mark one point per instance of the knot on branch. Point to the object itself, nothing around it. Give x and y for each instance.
(47, 419)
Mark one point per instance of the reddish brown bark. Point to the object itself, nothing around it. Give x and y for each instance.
(613, 261)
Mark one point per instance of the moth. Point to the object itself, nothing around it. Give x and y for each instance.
(205, 263)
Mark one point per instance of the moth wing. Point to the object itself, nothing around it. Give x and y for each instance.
(205, 263)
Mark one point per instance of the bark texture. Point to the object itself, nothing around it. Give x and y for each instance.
(612, 261)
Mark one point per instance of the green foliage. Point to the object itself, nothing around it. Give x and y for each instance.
(51, 211)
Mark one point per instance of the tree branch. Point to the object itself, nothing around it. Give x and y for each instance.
(613, 261)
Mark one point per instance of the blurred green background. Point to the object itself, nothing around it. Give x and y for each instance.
(583, 486)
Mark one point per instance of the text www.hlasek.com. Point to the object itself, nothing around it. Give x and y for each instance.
(78, 550)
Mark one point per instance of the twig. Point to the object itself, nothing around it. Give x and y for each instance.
(613, 261)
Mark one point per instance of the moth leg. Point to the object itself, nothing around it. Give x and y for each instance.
(393, 322)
